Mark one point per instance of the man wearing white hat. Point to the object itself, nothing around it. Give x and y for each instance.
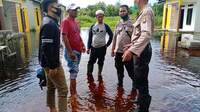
(74, 45)
(97, 44)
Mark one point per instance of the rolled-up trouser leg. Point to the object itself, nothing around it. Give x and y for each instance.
(73, 64)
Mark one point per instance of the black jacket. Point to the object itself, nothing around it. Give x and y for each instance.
(49, 45)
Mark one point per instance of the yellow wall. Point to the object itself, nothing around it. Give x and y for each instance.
(37, 17)
(19, 18)
(164, 17)
(164, 43)
(40, 16)
(1, 3)
(25, 11)
(180, 2)
(169, 9)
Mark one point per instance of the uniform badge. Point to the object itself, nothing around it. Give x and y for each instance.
(144, 19)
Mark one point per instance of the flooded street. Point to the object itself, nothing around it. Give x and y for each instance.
(174, 81)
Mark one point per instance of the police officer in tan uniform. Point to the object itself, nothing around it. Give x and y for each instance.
(122, 37)
(140, 50)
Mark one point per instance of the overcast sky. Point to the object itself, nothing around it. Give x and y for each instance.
(85, 3)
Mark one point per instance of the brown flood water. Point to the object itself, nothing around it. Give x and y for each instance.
(174, 81)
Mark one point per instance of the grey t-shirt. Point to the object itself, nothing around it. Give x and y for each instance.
(99, 35)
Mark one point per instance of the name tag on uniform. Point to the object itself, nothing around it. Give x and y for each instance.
(47, 40)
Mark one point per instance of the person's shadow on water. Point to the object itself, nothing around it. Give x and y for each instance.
(97, 92)
(120, 103)
(123, 104)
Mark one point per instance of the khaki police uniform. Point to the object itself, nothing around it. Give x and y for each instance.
(122, 37)
(141, 47)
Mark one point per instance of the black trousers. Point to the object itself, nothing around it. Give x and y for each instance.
(119, 65)
(96, 53)
(141, 71)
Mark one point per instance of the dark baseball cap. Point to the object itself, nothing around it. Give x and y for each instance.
(45, 4)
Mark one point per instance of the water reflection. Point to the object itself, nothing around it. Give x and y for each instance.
(123, 103)
(174, 81)
(173, 54)
(97, 94)
(174, 76)
(28, 45)
(15, 67)
(168, 42)
(187, 59)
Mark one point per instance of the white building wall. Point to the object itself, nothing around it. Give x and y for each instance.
(185, 26)
(195, 25)
(7, 15)
(174, 16)
(197, 21)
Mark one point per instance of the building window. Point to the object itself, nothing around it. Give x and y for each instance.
(190, 5)
(181, 18)
(189, 16)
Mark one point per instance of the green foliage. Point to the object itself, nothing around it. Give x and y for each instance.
(112, 21)
(158, 11)
(158, 22)
(87, 15)
(134, 10)
(111, 10)
(86, 21)
(91, 9)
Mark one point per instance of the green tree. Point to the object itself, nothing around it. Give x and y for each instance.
(91, 9)
(111, 10)
(158, 11)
